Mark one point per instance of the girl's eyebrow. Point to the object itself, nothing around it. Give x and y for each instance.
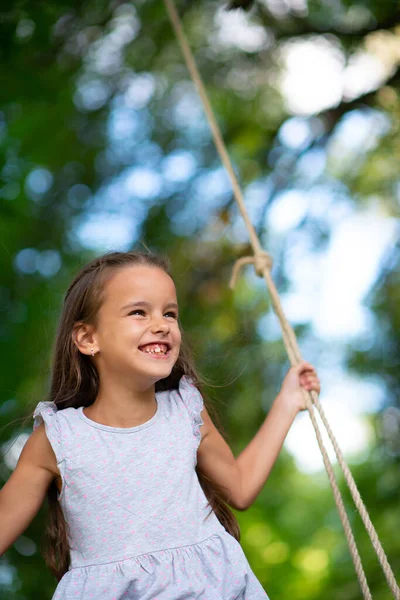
(146, 304)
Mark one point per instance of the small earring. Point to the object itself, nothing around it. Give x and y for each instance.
(92, 351)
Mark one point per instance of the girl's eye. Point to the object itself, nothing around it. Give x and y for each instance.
(173, 314)
(138, 310)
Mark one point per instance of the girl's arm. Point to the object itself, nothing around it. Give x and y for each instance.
(244, 477)
(22, 495)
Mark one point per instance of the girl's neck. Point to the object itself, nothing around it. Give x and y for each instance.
(118, 405)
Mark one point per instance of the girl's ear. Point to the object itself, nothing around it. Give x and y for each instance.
(84, 338)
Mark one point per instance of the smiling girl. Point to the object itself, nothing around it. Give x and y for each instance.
(138, 477)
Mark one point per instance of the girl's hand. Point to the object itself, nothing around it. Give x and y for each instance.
(299, 378)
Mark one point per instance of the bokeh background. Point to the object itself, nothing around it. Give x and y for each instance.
(104, 145)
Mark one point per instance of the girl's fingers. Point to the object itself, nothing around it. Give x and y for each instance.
(304, 366)
(308, 377)
(310, 382)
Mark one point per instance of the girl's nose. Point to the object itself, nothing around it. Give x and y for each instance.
(159, 325)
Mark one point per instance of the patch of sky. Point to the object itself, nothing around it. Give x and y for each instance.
(91, 93)
(105, 55)
(212, 187)
(128, 133)
(29, 261)
(185, 222)
(106, 231)
(288, 209)
(303, 269)
(127, 129)
(148, 154)
(239, 29)
(268, 327)
(311, 165)
(329, 203)
(185, 113)
(125, 24)
(295, 133)
(345, 399)
(111, 196)
(179, 166)
(11, 450)
(299, 307)
(238, 232)
(280, 9)
(38, 183)
(349, 269)
(143, 183)
(114, 215)
(358, 132)
(327, 288)
(256, 196)
(125, 123)
(312, 78)
(139, 90)
(208, 191)
(317, 76)
(8, 575)
(363, 73)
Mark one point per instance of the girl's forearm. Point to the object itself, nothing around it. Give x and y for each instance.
(257, 459)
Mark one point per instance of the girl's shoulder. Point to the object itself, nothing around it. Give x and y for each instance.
(52, 416)
(56, 424)
(40, 450)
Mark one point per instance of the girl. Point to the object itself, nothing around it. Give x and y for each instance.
(129, 456)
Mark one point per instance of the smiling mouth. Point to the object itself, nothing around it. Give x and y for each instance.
(156, 350)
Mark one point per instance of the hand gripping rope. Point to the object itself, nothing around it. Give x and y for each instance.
(262, 262)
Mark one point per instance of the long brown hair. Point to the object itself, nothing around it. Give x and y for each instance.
(75, 382)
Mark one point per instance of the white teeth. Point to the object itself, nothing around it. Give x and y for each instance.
(156, 350)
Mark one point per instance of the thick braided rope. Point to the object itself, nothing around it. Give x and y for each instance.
(263, 262)
(359, 503)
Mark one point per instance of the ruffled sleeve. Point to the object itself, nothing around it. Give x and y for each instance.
(193, 401)
(46, 412)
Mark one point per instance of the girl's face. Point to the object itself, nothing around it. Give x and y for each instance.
(137, 331)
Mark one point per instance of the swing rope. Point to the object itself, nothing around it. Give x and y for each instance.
(262, 262)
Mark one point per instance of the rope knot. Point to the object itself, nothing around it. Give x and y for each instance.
(262, 261)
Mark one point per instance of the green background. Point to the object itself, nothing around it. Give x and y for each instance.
(99, 123)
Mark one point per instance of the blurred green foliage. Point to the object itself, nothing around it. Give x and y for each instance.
(94, 97)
